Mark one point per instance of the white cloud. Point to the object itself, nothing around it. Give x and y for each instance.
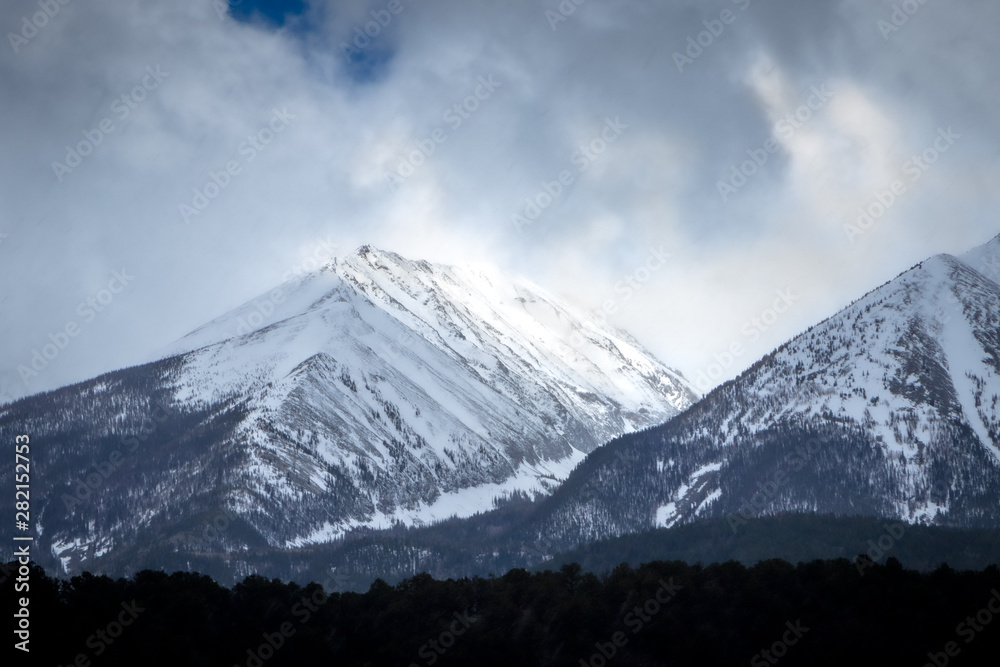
(322, 176)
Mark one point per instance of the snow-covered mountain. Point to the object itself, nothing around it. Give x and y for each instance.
(889, 408)
(375, 391)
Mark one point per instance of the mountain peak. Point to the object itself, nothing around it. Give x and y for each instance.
(451, 385)
(368, 251)
(985, 259)
(888, 408)
(368, 257)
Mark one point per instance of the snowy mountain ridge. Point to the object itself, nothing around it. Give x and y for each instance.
(376, 391)
(897, 397)
(459, 361)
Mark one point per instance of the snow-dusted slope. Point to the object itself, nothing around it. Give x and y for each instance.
(889, 408)
(454, 384)
(437, 325)
(375, 391)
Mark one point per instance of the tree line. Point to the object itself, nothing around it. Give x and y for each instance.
(661, 613)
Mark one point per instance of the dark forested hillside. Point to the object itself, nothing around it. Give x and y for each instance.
(794, 538)
(491, 544)
(664, 613)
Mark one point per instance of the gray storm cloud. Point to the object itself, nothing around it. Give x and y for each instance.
(756, 143)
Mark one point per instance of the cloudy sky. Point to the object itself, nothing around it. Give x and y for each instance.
(174, 159)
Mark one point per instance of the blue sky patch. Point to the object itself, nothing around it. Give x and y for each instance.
(274, 12)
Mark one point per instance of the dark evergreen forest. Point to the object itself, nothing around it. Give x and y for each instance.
(833, 612)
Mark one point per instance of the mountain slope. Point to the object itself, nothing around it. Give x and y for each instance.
(889, 408)
(375, 391)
